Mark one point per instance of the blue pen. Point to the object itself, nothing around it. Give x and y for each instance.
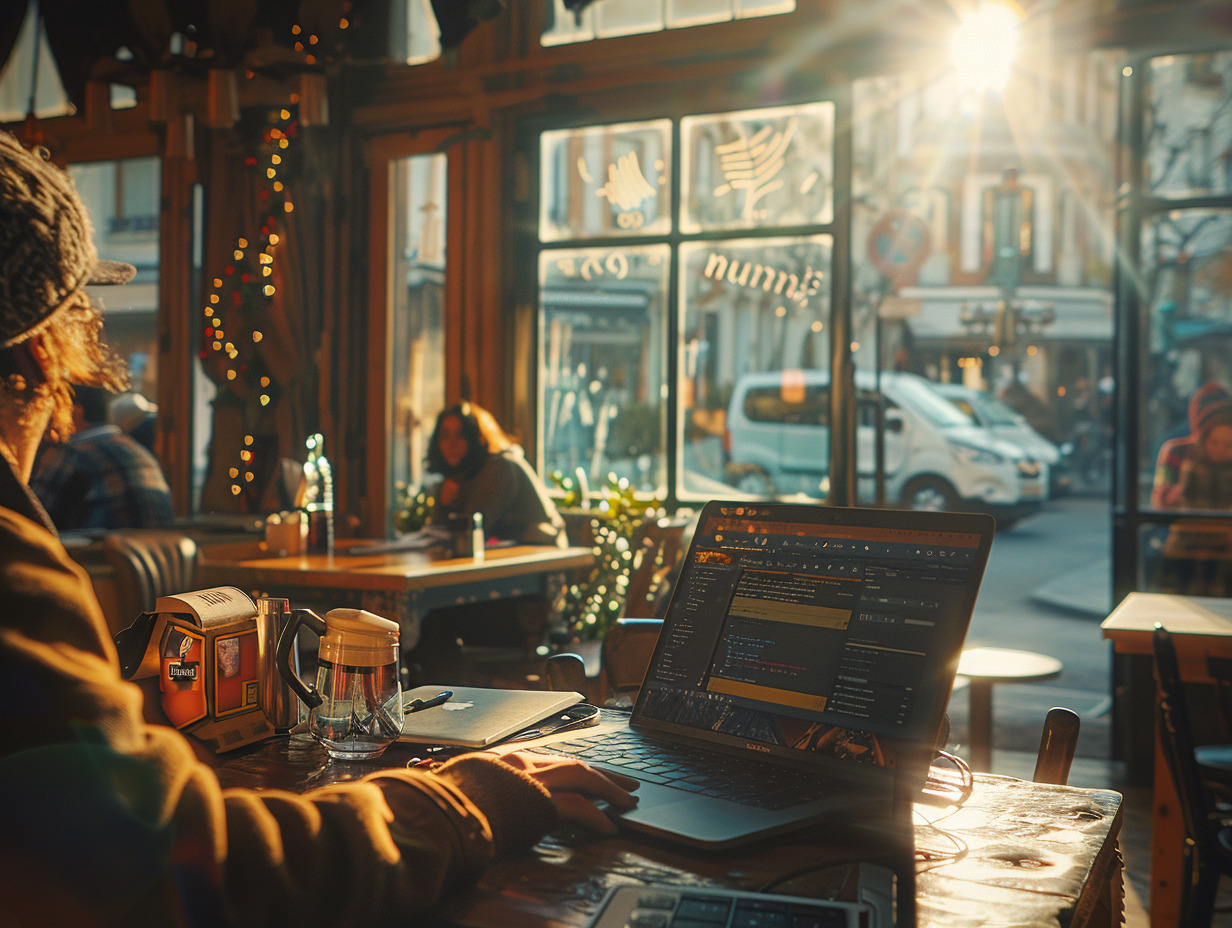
(439, 699)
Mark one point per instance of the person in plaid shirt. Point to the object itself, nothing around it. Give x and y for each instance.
(100, 478)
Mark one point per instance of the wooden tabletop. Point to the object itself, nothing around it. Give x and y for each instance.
(1201, 626)
(1014, 853)
(350, 567)
(1007, 666)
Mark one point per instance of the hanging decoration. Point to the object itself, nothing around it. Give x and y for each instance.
(237, 309)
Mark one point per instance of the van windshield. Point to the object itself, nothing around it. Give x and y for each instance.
(932, 406)
(992, 410)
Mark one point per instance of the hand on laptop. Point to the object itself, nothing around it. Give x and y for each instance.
(576, 787)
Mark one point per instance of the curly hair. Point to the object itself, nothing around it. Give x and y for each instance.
(69, 351)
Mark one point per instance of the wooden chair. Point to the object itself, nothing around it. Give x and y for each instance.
(1058, 742)
(658, 545)
(623, 658)
(1207, 849)
(131, 568)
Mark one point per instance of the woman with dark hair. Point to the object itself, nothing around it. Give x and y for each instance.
(484, 471)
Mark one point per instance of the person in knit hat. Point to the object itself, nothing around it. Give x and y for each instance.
(110, 820)
(1195, 471)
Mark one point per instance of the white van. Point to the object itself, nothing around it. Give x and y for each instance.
(778, 443)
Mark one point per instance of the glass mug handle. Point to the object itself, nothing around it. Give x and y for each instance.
(286, 641)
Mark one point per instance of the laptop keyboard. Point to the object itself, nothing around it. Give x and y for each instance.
(711, 907)
(764, 786)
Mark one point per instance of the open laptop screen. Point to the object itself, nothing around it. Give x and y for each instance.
(808, 630)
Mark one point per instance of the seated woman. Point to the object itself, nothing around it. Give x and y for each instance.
(485, 471)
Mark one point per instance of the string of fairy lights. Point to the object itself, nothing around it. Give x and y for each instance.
(244, 284)
(240, 282)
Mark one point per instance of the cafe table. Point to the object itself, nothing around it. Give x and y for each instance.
(1008, 853)
(1201, 627)
(401, 585)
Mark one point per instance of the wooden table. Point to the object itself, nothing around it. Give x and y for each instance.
(1015, 853)
(1201, 626)
(399, 585)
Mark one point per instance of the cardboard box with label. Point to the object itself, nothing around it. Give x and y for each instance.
(202, 646)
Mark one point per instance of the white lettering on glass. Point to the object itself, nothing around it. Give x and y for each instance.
(752, 165)
(755, 276)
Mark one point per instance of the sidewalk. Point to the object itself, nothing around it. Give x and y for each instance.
(1086, 590)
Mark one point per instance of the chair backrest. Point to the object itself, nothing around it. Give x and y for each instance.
(147, 564)
(1058, 742)
(625, 656)
(658, 545)
(1176, 736)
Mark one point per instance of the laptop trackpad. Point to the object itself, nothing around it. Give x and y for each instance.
(691, 817)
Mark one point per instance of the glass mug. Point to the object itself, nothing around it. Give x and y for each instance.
(355, 708)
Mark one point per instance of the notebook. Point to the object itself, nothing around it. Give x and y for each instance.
(476, 716)
(804, 647)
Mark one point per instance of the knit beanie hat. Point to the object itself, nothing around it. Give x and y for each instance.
(46, 243)
(1212, 405)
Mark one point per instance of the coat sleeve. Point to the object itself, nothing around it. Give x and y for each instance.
(110, 820)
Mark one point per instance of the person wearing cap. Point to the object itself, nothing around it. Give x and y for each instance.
(136, 416)
(111, 820)
(1195, 471)
(100, 478)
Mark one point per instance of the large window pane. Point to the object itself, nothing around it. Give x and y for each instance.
(416, 334)
(605, 181)
(1188, 337)
(750, 305)
(122, 197)
(1188, 125)
(602, 366)
(757, 168)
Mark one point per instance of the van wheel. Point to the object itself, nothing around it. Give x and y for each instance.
(756, 483)
(931, 494)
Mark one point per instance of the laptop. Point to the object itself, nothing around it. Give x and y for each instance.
(802, 673)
